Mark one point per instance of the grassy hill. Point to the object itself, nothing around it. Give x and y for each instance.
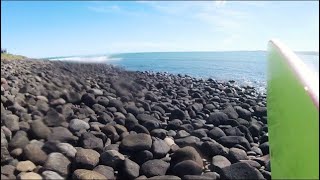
(8, 56)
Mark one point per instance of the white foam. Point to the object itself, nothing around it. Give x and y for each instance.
(87, 59)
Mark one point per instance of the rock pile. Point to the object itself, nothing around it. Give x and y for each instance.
(93, 121)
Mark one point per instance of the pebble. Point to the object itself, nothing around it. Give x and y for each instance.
(154, 167)
(34, 153)
(112, 158)
(29, 175)
(136, 142)
(51, 175)
(24, 166)
(81, 174)
(57, 162)
(94, 121)
(87, 158)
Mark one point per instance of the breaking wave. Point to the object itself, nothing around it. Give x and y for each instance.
(86, 59)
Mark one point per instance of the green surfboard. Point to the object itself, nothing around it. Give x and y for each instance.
(293, 115)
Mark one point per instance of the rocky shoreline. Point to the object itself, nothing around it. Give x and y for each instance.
(93, 121)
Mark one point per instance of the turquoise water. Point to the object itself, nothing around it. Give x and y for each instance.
(245, 67)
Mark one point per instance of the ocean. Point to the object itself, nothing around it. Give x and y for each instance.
(244, 67)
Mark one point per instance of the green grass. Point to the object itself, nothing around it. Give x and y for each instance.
(8, 56)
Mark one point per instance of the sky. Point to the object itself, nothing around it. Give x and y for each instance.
(66, 28)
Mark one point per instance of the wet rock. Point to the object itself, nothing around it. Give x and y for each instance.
(136, 142)
(67, 149)
(61, 134)
(145, 118)
(132, 109)
(57, 162)
(98, 108)
(219, 162)
(88, 99)
(73, 97)
(174, 124)
(24, 126)
(51, 175)
(187, 141)
(263, 160)
(140, 129)
(42, 106)
(266, 174)
(24, 166)
(143, 156)
(111, 132)
(102, 100)
(216, 133)
(260, 111)
(212, 148)
(230, 141)
(90, 141)
(252, 163)
(243, 113)
(186, 153)
(57, 102)
(80, 174)
(200, 133)
(159, 133)
(112, 158)
(5, 156)
(39, 130)
(28, 176)
(217, 118)
(177, 114)
(11, 122)
(154, 167)
(107, 171)
(187, 167)
(34, 153)
(230, 112)
(233, 131)
(243, 122)
(264, 148)
(159, 148)
(169, 141)
(16, 152)
(87, 158)
(19, 140)
(77, 125)
(104, 118)
(17, 108)
(130, 169)
(197, 177)
(235, 155)
(53, 118)
(150, 125)
(168, 177)
(182, 134)
(8, 170)
(240, 170)
(187, 127)
(6, 134)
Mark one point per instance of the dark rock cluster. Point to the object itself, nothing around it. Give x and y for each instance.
(94, 121)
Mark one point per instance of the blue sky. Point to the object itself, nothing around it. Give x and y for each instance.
(46, 29)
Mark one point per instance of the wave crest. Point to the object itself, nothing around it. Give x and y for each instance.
(86, 59)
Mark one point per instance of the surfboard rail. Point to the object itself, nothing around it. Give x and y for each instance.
(293, 115)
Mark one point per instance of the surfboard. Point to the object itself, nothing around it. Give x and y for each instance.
(293, 115)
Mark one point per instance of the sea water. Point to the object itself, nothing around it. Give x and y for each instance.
(245, 67)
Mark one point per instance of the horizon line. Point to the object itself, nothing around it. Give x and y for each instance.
(137, 52)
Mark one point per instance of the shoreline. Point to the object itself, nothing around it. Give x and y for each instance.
(79, 120)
